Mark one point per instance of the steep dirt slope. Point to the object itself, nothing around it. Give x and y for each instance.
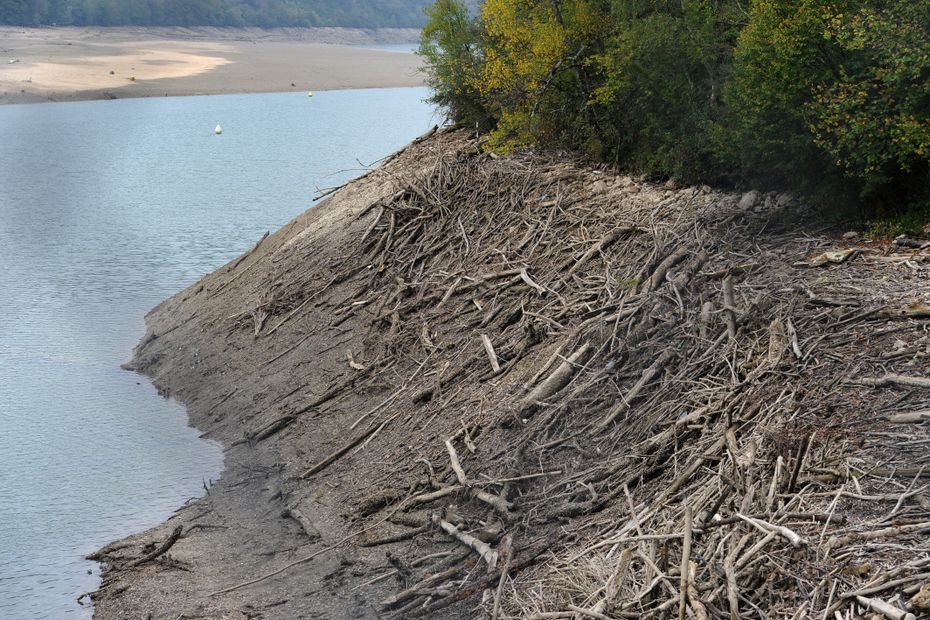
(470, 386)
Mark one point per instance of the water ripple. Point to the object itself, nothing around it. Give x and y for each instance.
(106, 208)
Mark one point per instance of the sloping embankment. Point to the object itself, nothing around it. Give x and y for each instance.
(468, 385)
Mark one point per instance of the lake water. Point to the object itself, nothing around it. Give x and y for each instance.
(400, 48)
(106, 208)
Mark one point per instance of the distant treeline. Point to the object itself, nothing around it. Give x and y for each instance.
(231, 13)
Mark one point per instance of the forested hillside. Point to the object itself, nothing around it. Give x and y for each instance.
(830, 98)
(262, 13)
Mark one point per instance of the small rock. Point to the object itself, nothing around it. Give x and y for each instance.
(706, 189)
(490, 533)
(671, 184)
(785, 199)
(921, 600)
(451, 514)
(599, 187)
(849, 236)
(749, 200)
(859, 570)
(626, 181)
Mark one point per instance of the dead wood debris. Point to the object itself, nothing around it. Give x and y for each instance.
(660, 392)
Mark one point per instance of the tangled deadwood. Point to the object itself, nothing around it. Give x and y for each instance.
(619, 400)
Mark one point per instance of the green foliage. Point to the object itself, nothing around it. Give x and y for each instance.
(830, 97)
(779, 59)
(664, 70)
(873, 120)
(451, 47)
(834, 97)
(915, 222)
(263, 13)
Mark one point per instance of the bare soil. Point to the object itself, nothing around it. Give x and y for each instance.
(469, 386)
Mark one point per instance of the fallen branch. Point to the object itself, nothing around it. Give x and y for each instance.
(889, 611)
(387, 540)
(492, 356)
(456, 465)
(335, 456)
(530, 557)
(914, 528)
(729, 306)
(685, 566)
(889, 380)
(658, 276)
(483, 549)
(766, 527)
(497, 502)
(529, 282)
(648, 375)
(559, 378)
(912, 417)
(506, 552)
(414, 590)
(352, 363)
(161, 550)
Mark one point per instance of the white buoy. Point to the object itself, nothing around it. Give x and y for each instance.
(218, 130)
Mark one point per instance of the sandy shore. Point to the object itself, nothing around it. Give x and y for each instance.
(56, 64)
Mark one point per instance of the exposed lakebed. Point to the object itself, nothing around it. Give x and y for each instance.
(106, 208)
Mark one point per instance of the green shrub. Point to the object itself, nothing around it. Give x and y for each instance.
(833, 98)
(451, 46)
(827, 97)
(780, 58)
(873, 119)
(664, 69)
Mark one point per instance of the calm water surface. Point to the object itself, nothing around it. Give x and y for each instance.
(106, 208)
(400, 48)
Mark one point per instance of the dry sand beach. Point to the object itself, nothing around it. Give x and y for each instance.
(58, 64)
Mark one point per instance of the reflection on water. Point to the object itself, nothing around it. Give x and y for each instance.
(106, 208)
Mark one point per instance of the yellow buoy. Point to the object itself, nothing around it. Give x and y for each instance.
(310, 94)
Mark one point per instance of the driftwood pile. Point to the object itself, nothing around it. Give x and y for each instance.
(622, 400)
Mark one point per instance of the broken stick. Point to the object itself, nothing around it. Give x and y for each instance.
(483, 549)
(559, 378)
(888, 380)
(161, 550)
(492, 356)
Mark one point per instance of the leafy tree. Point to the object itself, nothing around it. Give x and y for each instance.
(18, 12)
(831, 97)
(527, 68)
(780, 59)
(664, 68)
(452, 47)
(873, 121)
(834, 97)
